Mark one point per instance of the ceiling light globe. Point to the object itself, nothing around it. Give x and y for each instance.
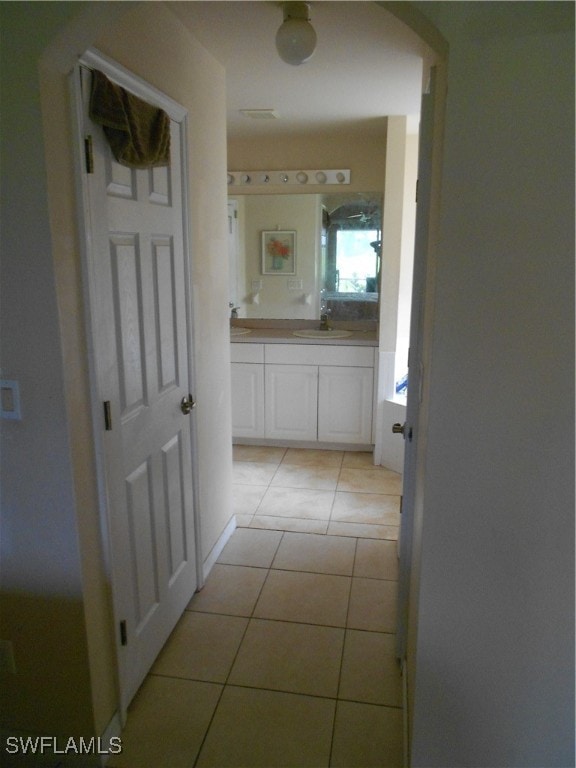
(296, 41)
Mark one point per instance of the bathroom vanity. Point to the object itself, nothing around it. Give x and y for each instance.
(292, 388)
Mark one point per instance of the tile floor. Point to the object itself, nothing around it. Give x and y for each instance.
(315, 491)
(286, 657)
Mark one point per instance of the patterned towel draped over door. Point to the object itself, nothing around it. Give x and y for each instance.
(138, 133)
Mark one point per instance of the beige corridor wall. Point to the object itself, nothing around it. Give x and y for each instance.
(360, 150)
(52, 539)
(493, 653)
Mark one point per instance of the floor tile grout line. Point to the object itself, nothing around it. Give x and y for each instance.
(276, 620)
(253, 525)
(274, 556)
(300, 488)
(225, 684)
(343, 651)
(347, 615)
(273, 476)
(312, 573)
(208, 726)
(287, 569)
(333, 503)
(246, 686)
(296, 517)
(314, 695)
(260, 502)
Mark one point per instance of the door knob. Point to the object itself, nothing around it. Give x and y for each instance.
(402, 429)
(186, 404)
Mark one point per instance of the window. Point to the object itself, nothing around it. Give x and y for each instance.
(356, 261)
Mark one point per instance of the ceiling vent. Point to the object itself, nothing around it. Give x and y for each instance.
(260, 114)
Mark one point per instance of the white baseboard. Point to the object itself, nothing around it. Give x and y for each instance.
(112, 731)
(316, 444)
(219, 546)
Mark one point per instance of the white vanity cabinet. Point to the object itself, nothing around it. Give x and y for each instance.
(345, 404)
(247, 390)
(309, 392)
(291, 402)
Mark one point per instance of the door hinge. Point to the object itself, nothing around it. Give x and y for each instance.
(107, 416)
(89, 154)
(123, 633)
(417, 188)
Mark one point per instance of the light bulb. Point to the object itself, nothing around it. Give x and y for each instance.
(296, 38)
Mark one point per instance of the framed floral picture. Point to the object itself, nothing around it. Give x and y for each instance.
(279, 252)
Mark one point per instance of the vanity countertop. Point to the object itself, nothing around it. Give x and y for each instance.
(285, 335)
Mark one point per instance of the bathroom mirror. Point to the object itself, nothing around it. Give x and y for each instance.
(335, 255)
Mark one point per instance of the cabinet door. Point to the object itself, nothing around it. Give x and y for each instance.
(292, 402)
(345, 404)
(247, 400)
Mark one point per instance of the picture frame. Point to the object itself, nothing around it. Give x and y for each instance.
(279, 252)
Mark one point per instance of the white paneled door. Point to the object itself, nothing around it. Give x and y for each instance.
(137, 280)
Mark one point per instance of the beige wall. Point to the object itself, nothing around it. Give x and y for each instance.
(41, 568)
(362, 151)
(494, 631)
(53, 551)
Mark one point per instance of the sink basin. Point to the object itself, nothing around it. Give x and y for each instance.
(235, 330)
(314, 333)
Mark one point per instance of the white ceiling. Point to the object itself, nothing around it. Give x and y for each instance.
(367, 64)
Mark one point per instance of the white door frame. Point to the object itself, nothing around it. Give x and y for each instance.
(412, 434)
(423, 308)
(93, 59)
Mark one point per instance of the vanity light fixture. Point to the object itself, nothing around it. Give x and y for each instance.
(299, 178)
(296, 38)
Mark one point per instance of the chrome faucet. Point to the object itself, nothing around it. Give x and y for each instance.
(233, 310)
(324, 312)
(324, 324)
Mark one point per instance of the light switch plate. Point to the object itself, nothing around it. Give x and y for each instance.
(295, 284)
(9, 399)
